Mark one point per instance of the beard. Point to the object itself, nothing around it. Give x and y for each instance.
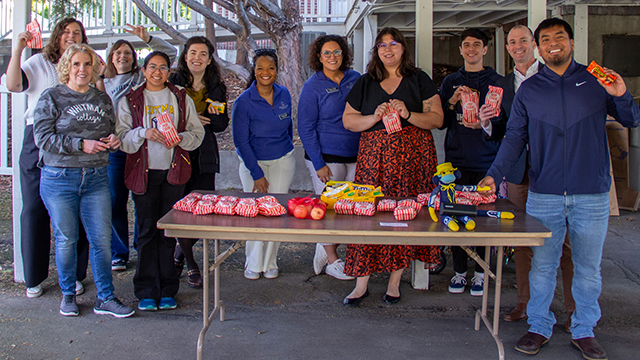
(557, 60)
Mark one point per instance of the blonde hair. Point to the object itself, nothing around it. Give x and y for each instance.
(64, 64)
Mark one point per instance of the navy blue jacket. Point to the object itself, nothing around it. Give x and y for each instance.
(320, 110)
(563, 120)
(467, 148)
(507, 84)
(262, 131)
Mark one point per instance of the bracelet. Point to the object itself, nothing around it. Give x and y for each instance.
(450, 105)
(408, 117)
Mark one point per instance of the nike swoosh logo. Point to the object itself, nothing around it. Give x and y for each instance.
(582, 83)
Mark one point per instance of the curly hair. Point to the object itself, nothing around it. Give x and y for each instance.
(111, 71)
(211, 76)
(376, 68)
(52, 49)
(316, 46)
(64, 64)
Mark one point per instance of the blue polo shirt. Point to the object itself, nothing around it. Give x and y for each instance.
(262, 131)
(320, 110)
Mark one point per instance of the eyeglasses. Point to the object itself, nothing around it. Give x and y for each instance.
(335, 53)
(153, 68)
(391, 45)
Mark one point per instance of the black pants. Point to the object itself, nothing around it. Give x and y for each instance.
(35, 224)
(155, 277)
(460, 256)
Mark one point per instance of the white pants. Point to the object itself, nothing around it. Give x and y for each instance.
(339, 172)
(262, 256)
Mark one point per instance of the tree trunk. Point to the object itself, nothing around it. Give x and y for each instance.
(209, 27)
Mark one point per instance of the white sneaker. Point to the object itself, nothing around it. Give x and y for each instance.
(477, 284)
(34, 292)
(337, 270)
(251, 275)
(319, 259)
(79, 288)
(271, 274)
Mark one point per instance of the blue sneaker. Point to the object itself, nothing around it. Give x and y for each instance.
(167, 303)
(147, 305)
(477, 284)
(458, 282)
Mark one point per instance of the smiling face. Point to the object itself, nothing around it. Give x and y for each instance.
(72, 35)
(555, 46)
(521, 46)
(332, 62)
(198, 58)
(473, 51)
(80, 72)
(390, 51)
(265, 71)
(156, 72)
(122, 59)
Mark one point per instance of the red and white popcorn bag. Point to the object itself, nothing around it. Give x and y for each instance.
(36, 41)
(391, 120)
(204, 207)
(386, 205)
(225, 208)
(228, 198)
(267, 198)
(187, 203)
(424, 198)
(269, 208)
(470, 103)
(412, 203)
(247, 201)
(468, 198)
(404, 213)
(166, 127)
(212, 197)
(247, 207)
(494, 99)
(364, 208)
(344, 207)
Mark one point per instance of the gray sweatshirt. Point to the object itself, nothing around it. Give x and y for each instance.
(63, 118)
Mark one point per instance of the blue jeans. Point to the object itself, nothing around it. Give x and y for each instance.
(69, 194)
(119, 197)
(586, 218)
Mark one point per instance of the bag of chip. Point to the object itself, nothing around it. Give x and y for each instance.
(386, 205)
(470, 106)
(344, 207)
(364, 209)
(597, 71)
(494, 99)
(404, 213)
(168, 129)
(391, 120)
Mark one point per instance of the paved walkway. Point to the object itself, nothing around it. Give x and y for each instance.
(300, 316)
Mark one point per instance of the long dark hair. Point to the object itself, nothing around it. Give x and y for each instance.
(211, 76)
(52, 50)
(260, 53)
(376, 68)
(111, 69)
(316, 46)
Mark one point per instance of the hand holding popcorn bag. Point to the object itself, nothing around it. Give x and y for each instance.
(494, 99)
(391, 120)
(34, 28)
(166, 127)
(470, 103)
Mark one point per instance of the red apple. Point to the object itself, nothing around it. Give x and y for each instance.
(292, 203)
(300, 212)
(318, 212)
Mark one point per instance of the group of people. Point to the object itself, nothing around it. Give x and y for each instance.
(95, 147)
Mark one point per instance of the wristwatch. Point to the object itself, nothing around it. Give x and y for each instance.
(450, 105)
(81, 145)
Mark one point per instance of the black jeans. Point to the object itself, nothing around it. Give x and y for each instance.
(155, 277)
(35, 230)
(460, 256)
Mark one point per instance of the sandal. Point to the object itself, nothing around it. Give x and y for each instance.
(194, 278)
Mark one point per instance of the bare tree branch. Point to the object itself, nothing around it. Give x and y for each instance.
(246, 38)
(209, 14)
(255, 20)
(173, 33)
(268, 7)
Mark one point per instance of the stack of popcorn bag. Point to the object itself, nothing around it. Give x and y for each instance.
(199, 204)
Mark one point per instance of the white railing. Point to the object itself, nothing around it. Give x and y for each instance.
(5, 168)
(112, 16)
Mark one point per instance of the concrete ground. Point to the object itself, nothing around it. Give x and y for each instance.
(301, 316)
